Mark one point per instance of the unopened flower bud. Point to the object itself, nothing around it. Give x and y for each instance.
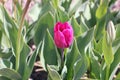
(63, 35)
(111, 31)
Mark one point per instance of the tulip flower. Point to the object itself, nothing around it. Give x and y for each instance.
(116, 6)
(63, 35)
(111, 31)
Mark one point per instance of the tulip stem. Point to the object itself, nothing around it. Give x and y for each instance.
(19, 34)
(62, 55)
(107, 72)
(62, 60)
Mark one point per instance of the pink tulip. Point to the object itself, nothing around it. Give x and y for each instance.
(63, 35)
(116, 6)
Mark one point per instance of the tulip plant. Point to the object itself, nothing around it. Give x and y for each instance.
(74, 39)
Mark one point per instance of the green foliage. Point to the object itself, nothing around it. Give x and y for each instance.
(53, 74)
(74, 55)
(107, 50)
(9, 73)
(90, 53)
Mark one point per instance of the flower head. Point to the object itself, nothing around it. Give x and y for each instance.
(111, 31)
(63, 34)
(116, 6)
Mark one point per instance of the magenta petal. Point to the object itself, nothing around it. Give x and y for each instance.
(68, 34)
(57, 26)
(59, 39)
(67, 25)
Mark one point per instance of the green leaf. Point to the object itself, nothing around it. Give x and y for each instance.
(50, 53)
(75, 6)
(3, 78)
(80, 67)
(84, 40)
(63, 16)
(30, 63)
(46, 21)
(115, 63)
(35, 11)
(23, 59)
(10, 28)
(83, 26)
(116, 45)
(94, 68)
(107, 50)
(117, 31)
(9, 73)
(6, 53)
(100, 27)
(76, 27)
(55, 3)
(102, 10)
(98, 46)
(66, 4)
(72, 57)
(0, 36)
(4, 63)
(54, 75)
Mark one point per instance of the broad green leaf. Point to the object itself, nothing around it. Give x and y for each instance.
(53, 74)
(115, 63)
(75, 6)
(94, 68)
(23, 59)
(34, 11)
(5, 42)
(46, 21)
(0, 35)
(84, 40)
(6, 53)
(66, 4)
(83, 25)
(98, 55)
(117, 31)
(116, 45)
(101, 19)
(45, 1)
(11, 74)
(107, 50)
(45, 9)
(18, 13)
(55, 3)
(98, 46)
(30, 64)
(50, 53)
(4, 78)
(99, 28)
(4, 63)
(10, 29)
(76, 27)
(80, 67)
(63, 16)
(102, 10)
(1, 14)
(72, 57)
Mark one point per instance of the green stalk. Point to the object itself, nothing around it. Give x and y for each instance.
(19, 34)
(107, 72)
(63, 55)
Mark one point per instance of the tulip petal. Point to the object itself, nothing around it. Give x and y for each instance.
(59, 39)
(68, 34)
(57, 26)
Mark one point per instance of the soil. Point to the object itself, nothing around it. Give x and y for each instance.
(38, 72)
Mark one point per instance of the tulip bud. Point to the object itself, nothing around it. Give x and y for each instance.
(63, 35)
(111, 31)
